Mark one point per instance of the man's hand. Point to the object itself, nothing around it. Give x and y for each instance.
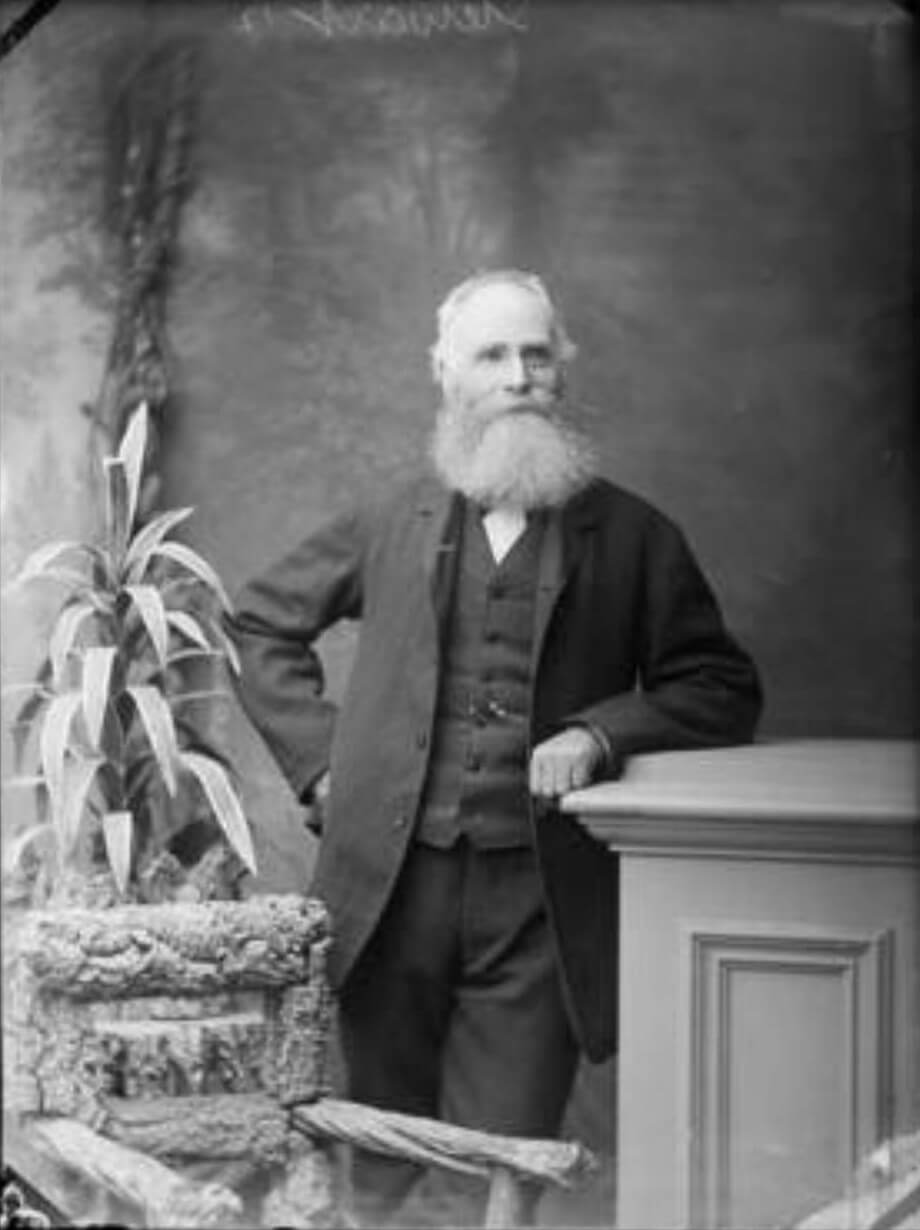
(565, 762)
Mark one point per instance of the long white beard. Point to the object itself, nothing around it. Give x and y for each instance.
(527, 459)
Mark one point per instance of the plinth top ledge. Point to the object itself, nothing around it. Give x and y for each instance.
(816, 793)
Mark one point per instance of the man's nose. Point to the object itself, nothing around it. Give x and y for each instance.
(518, 372)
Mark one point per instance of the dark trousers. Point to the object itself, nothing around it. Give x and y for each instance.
(455, 1011)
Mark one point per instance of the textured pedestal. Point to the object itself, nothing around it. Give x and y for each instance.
(176, 1035)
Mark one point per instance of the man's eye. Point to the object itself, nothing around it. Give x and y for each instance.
(494, 354)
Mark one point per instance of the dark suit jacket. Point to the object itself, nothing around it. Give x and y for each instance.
(627, 636)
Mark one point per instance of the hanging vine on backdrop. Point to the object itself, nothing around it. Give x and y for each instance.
(151, 104)
(150, 109)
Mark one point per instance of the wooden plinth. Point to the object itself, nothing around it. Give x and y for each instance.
(769, 974)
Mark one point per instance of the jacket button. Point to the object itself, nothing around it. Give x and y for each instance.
(421, 739)
(400, 820)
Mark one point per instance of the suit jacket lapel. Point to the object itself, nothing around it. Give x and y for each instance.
(564, 541)
(439, 511)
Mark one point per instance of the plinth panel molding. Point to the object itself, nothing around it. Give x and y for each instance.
(787, 1056)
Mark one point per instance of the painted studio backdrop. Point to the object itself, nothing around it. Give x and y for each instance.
(718, 195)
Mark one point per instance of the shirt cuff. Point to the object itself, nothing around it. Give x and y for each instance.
(602, 739)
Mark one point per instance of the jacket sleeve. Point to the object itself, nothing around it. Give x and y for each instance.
(695, 686)
(275, 623)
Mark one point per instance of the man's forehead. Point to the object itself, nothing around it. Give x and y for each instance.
(501, 308)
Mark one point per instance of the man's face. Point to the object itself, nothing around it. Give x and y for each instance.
(501, 355)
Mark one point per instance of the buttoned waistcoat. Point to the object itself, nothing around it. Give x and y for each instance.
(627, 635)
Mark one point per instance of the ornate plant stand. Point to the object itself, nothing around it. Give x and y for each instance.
(154, 1052)
(165, 1066)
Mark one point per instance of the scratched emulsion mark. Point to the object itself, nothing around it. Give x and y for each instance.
(330, 19)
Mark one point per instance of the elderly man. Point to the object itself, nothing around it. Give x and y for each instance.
(525, 626)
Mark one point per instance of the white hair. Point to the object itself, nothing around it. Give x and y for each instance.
(525, 460)
(452, 304)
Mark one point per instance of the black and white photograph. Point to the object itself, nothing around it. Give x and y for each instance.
(459, 733)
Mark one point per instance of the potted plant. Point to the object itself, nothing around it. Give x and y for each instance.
(109, 717)
(150, 1007)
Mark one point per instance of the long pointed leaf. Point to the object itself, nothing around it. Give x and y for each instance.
(131, 453)
(62, 576)
(118, 832)
(40, 560)
(54, 742)
(150, 607)
(14, 850)
(137, 652)
(227, 647)
(97, 686)
(117, 525)
(225, 804)
(153, 533)
(161, 732)
(24, 721)
(35, 685)
(78, 779)
(185, 655)
(192, 740)
(181, 698)
(22, 781)
(190, 628)
(63, 636)
(194, 563)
